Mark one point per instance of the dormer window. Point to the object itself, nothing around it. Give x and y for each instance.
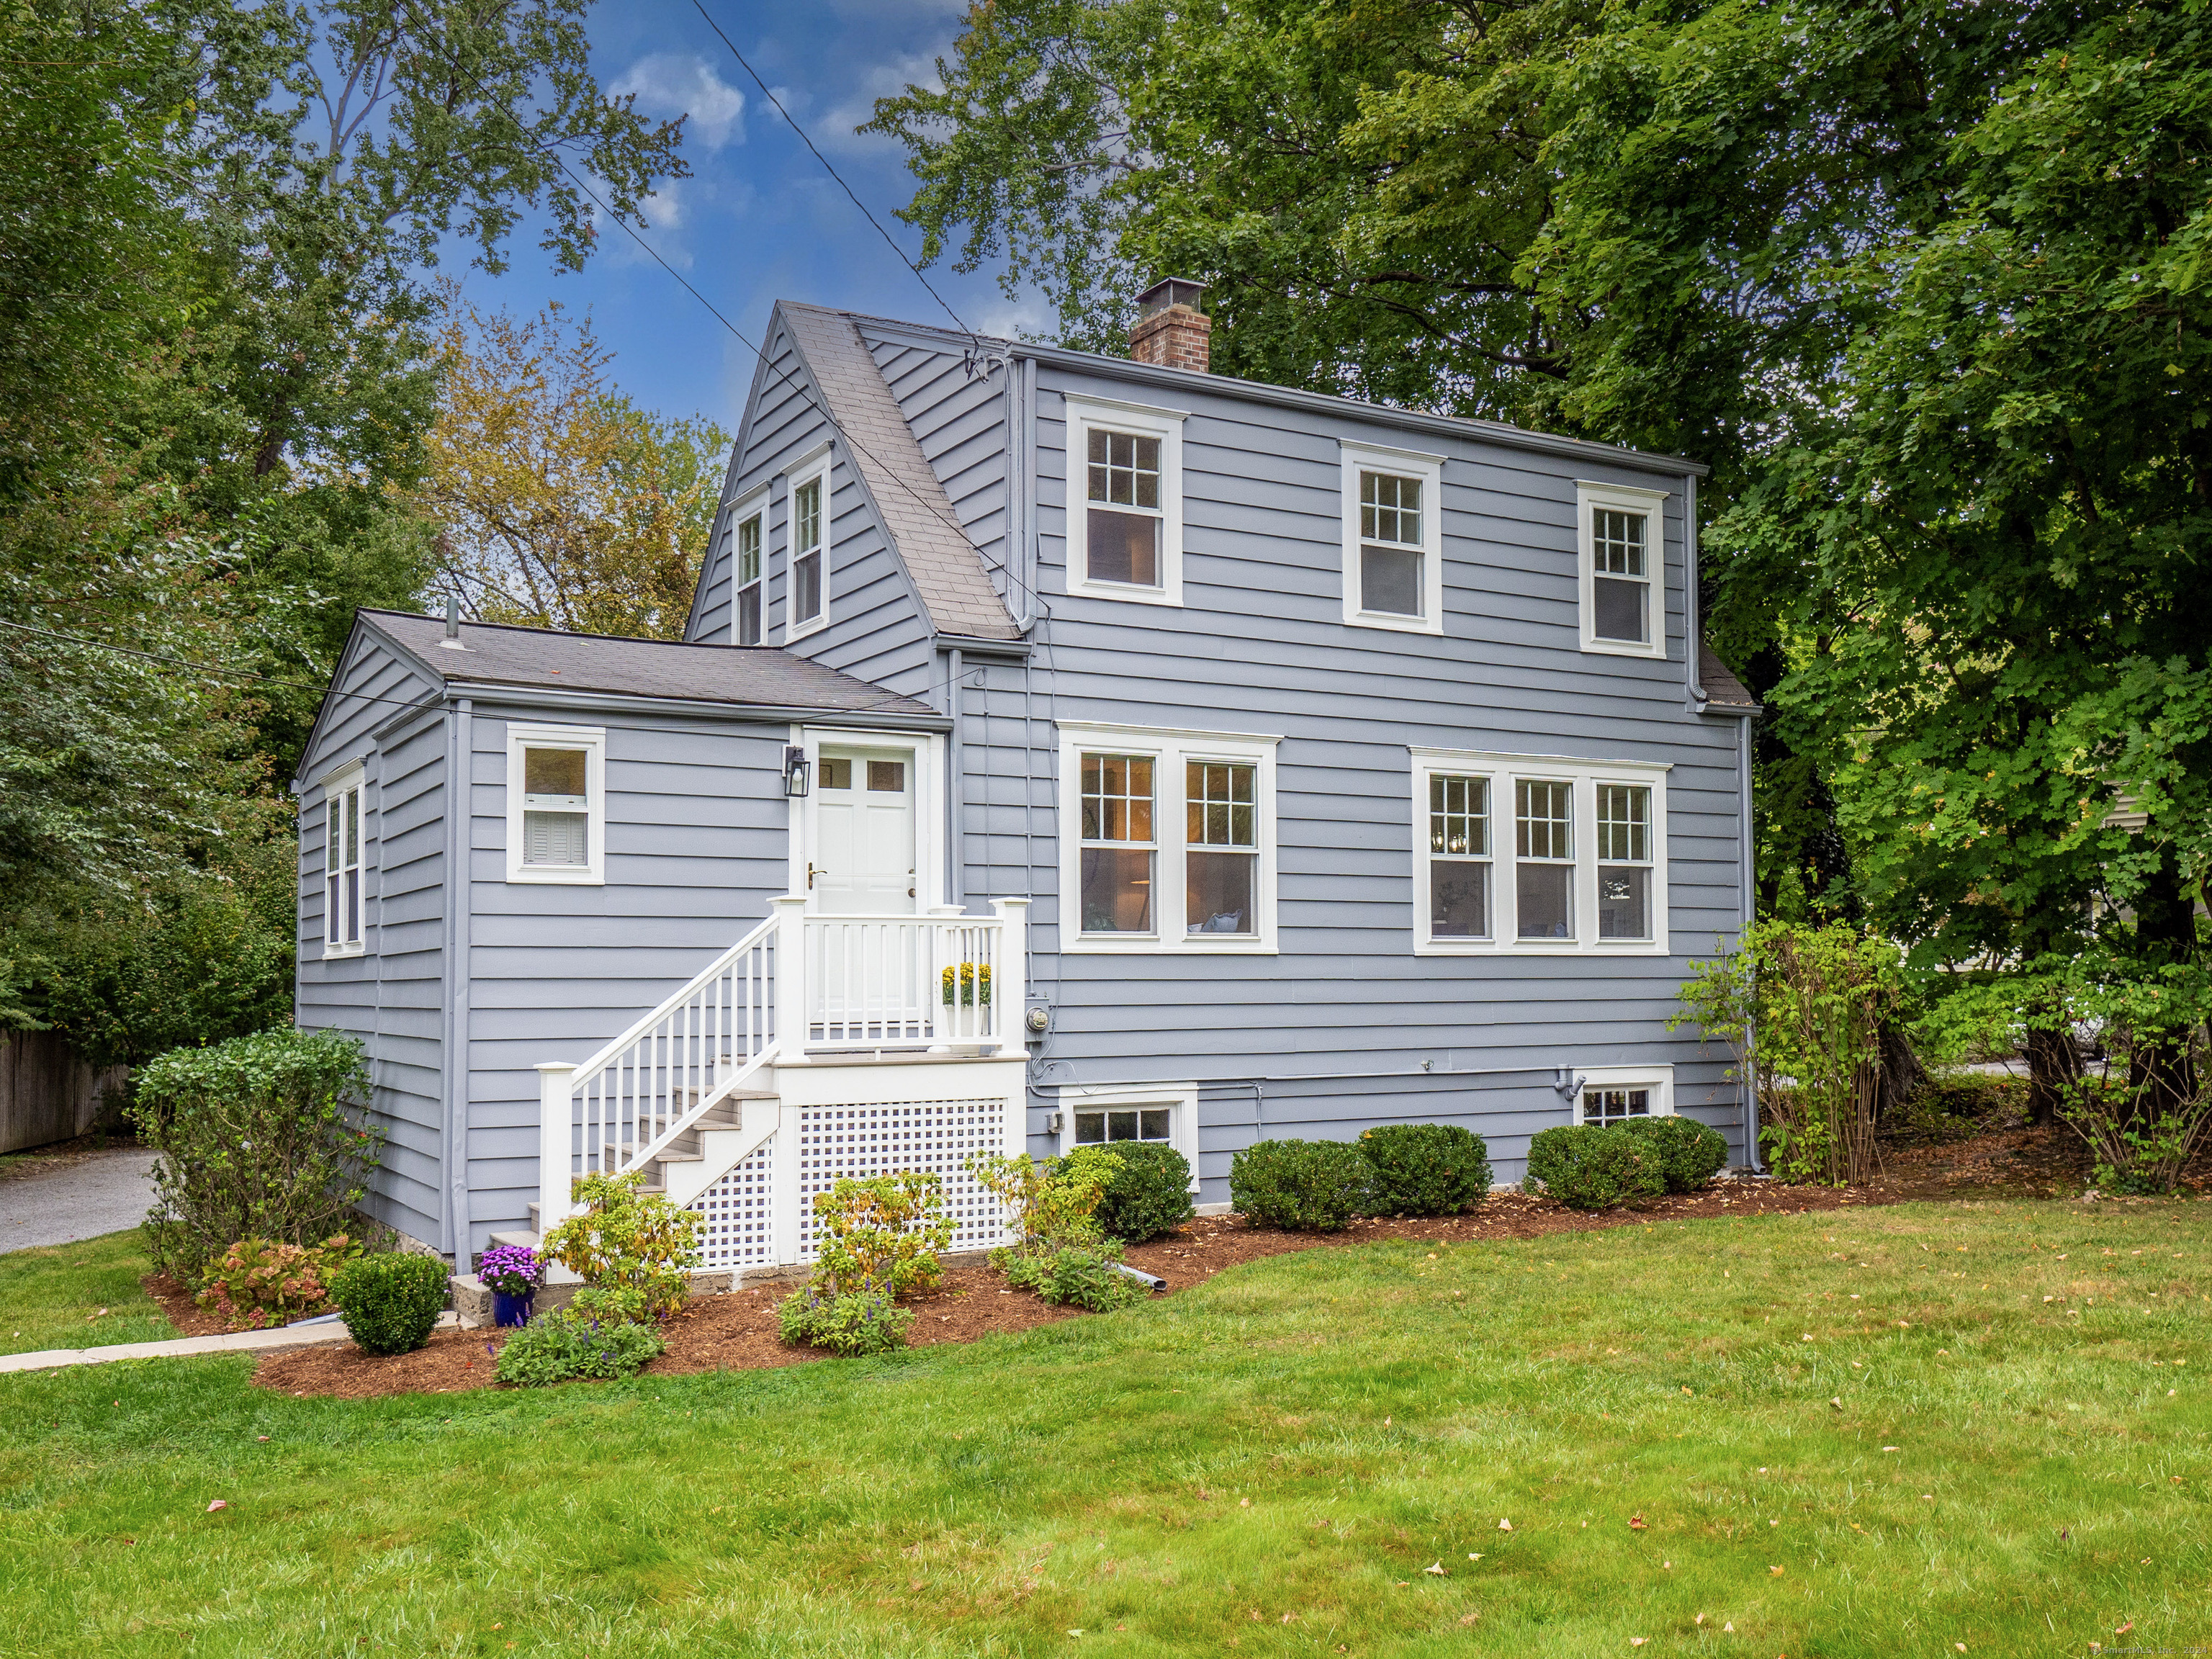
(807, 510)
(1621, 547)
(749, 581)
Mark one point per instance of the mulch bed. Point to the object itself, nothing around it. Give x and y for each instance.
(737, 1331)
(187, 1315)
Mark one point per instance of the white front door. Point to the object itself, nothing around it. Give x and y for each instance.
(863, 861)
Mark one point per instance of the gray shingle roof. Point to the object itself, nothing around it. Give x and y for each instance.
(761, 675)
(947, 570)
(1723, 691)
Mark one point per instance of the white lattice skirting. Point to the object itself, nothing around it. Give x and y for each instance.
(939, 1136)
(740, 1213)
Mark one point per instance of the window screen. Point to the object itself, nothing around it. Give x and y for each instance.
(1459, 856)
(555, 803)
(1621, 592)
(1221, 860)
(1543, 838)
(1122, 525)
(1624, 851)
(1117, 851)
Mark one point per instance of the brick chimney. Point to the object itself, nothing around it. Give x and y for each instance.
(1171, 331)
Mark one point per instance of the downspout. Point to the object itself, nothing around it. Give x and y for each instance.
(460, 751)
(955, 890)
(1693, 621)
(1747, 905)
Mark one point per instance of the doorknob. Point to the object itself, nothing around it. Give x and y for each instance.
(811, 873)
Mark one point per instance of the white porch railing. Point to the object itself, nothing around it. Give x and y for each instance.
(941, 982)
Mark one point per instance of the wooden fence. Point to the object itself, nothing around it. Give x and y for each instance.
(46, 1092)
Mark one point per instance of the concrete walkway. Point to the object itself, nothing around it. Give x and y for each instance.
(101, 1193)
(185, 1347)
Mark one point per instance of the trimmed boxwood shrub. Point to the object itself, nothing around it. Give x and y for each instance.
(1148, 1195)
(1690, 1154)
(1425, 1169)
(391, 1301)
(1588, 1168)
(1317, 1185)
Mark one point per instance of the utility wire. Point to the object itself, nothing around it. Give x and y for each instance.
(792, 121)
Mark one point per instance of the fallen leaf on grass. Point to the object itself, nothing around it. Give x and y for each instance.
(1437, 1567)
(1636, 1522)
(2122, 1630)
(219, 1503)
(1464, 1619)
(1776, 1571)
(1505, 1525)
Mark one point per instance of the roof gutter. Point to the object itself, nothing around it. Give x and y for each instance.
(530, 696)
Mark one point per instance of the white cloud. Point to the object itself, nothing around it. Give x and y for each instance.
(671, 83)
(834, 130)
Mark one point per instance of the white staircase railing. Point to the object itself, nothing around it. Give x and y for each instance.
(659, 1076)
(911, 980)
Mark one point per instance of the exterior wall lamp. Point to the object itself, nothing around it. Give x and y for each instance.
(798, 772)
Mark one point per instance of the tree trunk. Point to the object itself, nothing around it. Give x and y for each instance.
(2161, 1074)
(1903, 1076)
(2054, 1067)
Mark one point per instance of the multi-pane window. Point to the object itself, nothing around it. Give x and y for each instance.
(556, 816)
(1118, 848)
(1123, 520)
(749, 581)
(1624, 862)
(1621, 582)
(806, 553)
(1390, 543)
(1221, 840)
(342, 865)
(1544, 858)
(1602, 1106)
(1112, 1123)
(1459, 856)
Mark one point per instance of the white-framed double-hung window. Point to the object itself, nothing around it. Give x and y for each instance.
(807, 596)
(344, 827)
(1124, 501)
(1393, 539)
(556, 804)
(1173, 841)
(748, 608)
(1537, 853)
(1621, 550)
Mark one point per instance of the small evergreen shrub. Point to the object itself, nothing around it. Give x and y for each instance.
(1300, 1185)
(1425, 1169)
(1690, 1154)
(1588, 1168)
(1148, 1195)
(1077, 1272)
(630, 1237)
(391, 1301)
(565, 1346)
(848, 1322)
(260, 1137)
(258, 1283)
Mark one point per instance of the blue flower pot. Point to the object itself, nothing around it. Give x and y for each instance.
(511, 1309)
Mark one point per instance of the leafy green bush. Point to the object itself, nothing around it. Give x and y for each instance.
(564, 1345)
(1083, 1275)
(260, 1137)
(1300, 1185)
(1690, 1154)
(624, 1236)
(881, 1233)
(391, 1301)
(258, 1283)
(1148, 1195)
(1425, 1169)
(848, 1322)
(612, 1304)
(1588, 1168)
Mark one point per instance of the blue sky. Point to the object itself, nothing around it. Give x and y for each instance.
(759, 219)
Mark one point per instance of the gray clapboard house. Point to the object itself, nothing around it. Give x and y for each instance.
(1064, 748)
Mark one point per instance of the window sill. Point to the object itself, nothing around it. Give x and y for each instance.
(1540, 947)
(1152, 946)
(340, 952)
(800, 630)
(1393, 623)
(1597, 647)
(1125, 593)
(541, 877)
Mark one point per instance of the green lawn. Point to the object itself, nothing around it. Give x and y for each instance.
(1264, 1465)
(78, 1296)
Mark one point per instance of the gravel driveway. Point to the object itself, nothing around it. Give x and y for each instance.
(87, 1196)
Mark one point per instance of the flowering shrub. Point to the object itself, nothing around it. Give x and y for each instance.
(629, 1238)
(257, 1282)
(565, 1346)
(851, 1323)
(884, 1231)
(510, 1269)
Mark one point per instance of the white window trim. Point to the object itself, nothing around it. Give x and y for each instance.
(1404, 463)
(1166, 424)
(813, 465)
(1660, 1080)
(592, 740)
(1621, 498)
(1502, 771)
(1169, 749)
(753, 501)
(1180, 1098)
(349, 779)
(929, 810)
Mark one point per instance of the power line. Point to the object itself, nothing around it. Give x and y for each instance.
(790, 120)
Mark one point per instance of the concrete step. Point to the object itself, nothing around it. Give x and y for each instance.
(516, 1238)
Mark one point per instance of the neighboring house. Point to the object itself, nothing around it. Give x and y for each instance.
(1066, 749)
